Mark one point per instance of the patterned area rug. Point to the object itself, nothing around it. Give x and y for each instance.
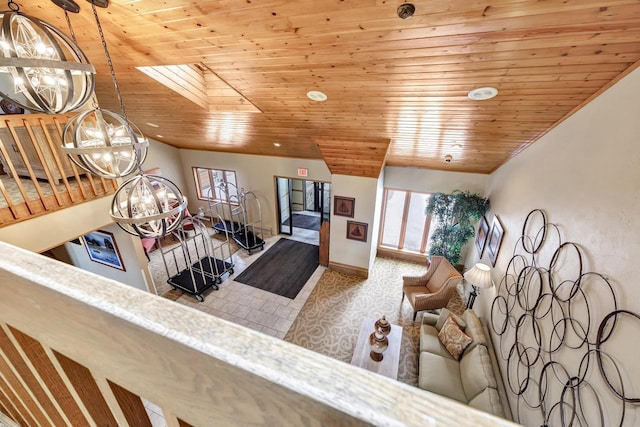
(331, 318)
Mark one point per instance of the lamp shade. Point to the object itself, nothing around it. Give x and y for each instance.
(479, 275)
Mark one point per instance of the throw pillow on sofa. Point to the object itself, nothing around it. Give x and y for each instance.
(453, 338)
(445, 314)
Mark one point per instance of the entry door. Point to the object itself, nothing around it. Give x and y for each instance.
(324, 206)
(283, 189)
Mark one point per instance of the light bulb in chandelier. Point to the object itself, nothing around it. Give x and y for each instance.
(105, 144)
(148, 206)
(41, 68)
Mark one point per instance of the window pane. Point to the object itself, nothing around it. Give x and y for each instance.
(230, 177)
(393, 218)
(209, 184)
(203, 183)
(432, 226)
(415, 222)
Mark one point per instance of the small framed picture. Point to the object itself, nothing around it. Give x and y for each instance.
(344, 206)
(102, 248)
(357, 231)
(481, 236)
(495, 239)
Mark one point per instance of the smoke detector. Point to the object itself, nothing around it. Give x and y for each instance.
(448, 158)
(406, 10)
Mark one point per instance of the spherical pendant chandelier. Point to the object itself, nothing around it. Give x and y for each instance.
(104, 144)
(41, 68)
(148, 206)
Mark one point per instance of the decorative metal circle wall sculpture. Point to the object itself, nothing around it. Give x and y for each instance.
(552, 323)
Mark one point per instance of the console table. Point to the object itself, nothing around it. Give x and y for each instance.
(388, 366)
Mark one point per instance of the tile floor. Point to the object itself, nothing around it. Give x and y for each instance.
(242, 304)
(248, 306)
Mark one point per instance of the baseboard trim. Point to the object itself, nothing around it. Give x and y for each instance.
(349, 269)
(401, 255)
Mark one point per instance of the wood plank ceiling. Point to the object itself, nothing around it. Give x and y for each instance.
(387, 79)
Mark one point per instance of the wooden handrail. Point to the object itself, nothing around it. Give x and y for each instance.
(31, 156)
(78, 347)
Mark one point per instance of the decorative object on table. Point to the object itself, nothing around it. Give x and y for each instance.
(495, 240)
(46, 71)
(383, 325)
(102, 248)
(455, 214)
(480, 277)
(379, 343)
(481, 235)
(344, 206)
(357, 231)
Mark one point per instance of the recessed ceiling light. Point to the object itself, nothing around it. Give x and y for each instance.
(160, 136)
(153, 125)
(448, 158)
(456, 146)
(483, 93)
(276, 144)
(316, 95)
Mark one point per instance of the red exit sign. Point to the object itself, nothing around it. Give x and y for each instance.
(303, 172)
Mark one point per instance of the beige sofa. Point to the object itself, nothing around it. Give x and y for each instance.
(470, 380)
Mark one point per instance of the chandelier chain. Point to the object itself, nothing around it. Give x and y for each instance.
(71, 32)
(109, 62)
(15, 7)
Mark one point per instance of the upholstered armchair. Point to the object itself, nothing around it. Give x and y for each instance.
(432, 290)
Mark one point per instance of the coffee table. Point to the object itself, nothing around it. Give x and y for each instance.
(388, 366)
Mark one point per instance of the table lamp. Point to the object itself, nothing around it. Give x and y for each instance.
(480, 277)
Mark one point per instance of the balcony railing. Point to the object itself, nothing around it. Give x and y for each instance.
(37, 177)
(80, 350)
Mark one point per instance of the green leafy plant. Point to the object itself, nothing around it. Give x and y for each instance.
(456, 214)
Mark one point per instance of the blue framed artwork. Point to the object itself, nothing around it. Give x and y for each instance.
(102, 248)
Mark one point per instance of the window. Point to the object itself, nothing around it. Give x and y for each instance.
(404, 223)
(211, 184)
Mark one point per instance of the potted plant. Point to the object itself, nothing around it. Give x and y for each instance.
(456, 214)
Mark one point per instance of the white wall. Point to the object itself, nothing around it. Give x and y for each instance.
(353, 252)
(254, 173)
(53, 229)
(167, 158)
(128, 254)
(585, 174)
(432, 181)
(375, 229)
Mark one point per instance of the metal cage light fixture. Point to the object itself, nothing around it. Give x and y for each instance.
(109, 145)
(148, 206)
(41, 68)
(102, 142)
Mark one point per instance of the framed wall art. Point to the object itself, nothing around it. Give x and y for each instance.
(481, 236)
(102, 248)
(357, 231)
(495, 239)
(344, 206)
